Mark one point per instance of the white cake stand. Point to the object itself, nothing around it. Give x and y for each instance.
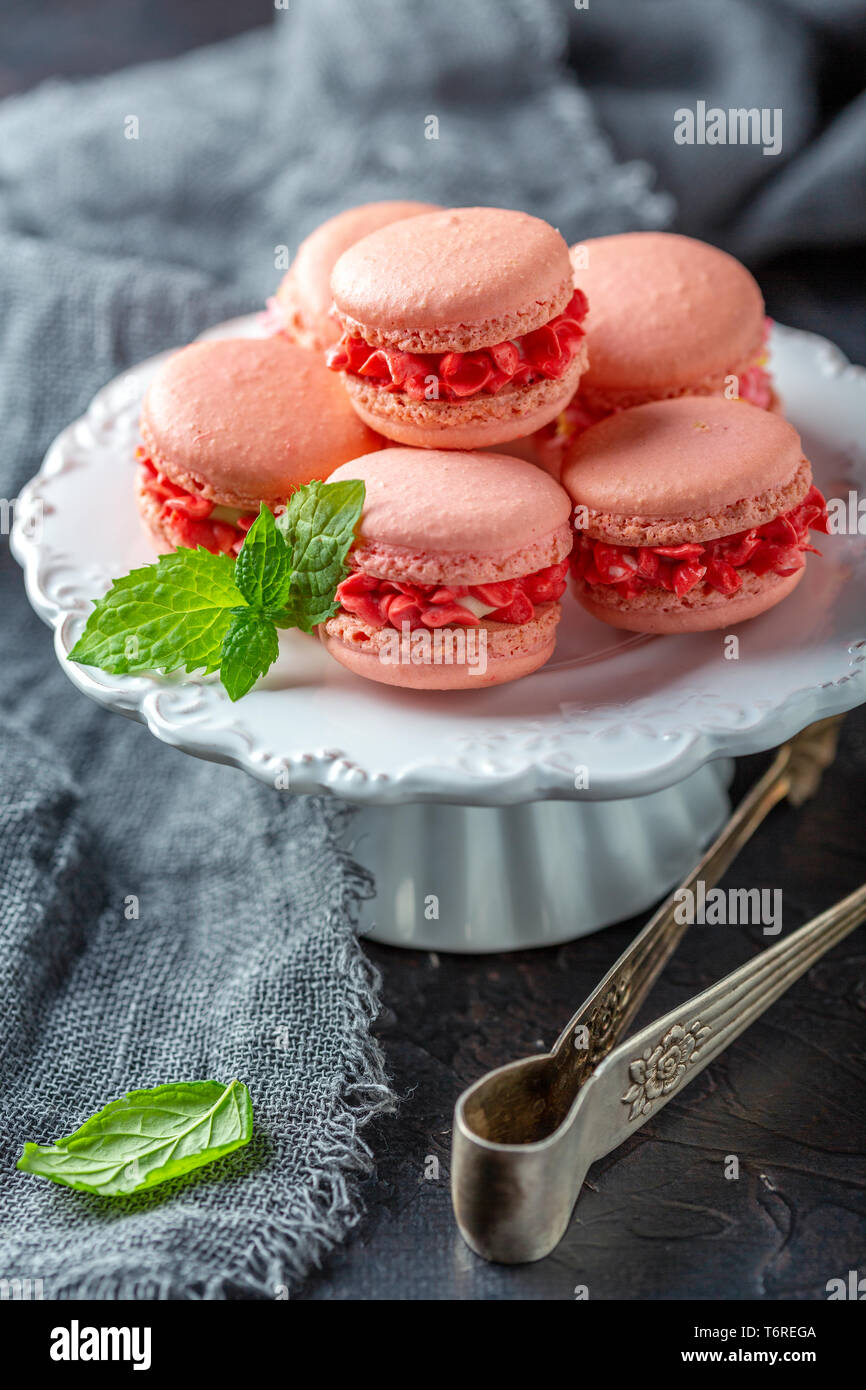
(519, 816)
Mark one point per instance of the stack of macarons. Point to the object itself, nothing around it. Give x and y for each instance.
(420, 349)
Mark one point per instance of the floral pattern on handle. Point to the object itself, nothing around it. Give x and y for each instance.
(661, 1068)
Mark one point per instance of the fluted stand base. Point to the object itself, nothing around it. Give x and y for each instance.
(481, 879)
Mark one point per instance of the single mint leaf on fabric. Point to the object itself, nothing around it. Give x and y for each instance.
(146, 1138)
(319, 526)
(250, 647)
(263, 569)
(165, 617)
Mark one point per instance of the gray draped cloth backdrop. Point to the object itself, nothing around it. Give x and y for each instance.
(243, 959)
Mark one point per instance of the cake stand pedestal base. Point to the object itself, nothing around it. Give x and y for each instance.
(482, 879)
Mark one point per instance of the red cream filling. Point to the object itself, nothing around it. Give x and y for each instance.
(384, 602)
(756, 386)
(777, 547)
(187, 519)
(543, 354)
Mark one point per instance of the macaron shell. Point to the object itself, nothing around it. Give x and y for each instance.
(682, 459)
(665, 312)
(727, 521)
(245, 420)
(305, 292)
(601, 402)
(482, 421)
(512, 651)
(453, 280)
(453, 503)
(659, 612)
(407, 565)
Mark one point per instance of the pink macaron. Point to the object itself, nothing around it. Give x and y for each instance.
(231, 423)
(456, 571)
(461, 328)
(690, 514)
(669, 316)
(301, 307)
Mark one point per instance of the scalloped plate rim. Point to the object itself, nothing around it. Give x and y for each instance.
(331, 771)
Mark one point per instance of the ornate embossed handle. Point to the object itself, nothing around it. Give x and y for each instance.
(642, 1074)
(602, 1019)
(526, 1134)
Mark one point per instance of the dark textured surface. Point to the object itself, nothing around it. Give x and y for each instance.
(657, 1219)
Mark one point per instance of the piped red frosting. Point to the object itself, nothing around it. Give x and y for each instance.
(186, 519)
(384, 602)
(544, 353)
(778, 547)
(756, 386)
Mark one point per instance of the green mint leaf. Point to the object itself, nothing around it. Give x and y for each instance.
(196, 611)
(264, 566)
(319, 526)
(164, 617)
(146, 1138)
(250, 647)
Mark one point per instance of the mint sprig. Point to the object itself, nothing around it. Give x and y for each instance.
(169, 616)
(263, 569)
(250, 648)
(319, 526)
(195, 611)
(147, 1137)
